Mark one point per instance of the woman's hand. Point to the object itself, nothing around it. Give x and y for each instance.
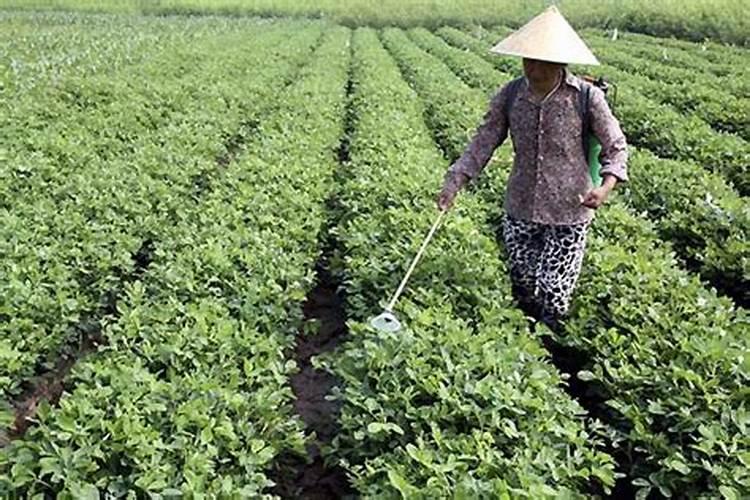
(445, 197)
(451, 187)
(597, 196)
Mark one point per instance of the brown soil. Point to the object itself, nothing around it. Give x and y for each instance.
(311, 478)
(50, 385)
(46, 387)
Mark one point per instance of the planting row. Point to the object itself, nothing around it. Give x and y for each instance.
(75, 119)
(697, 211)
(86, 218)
(44, 49)
(669, 357)
(719, 19)
(712, 50)
(699, 96)
(708, 58)
(460, 403)
(190, 396)
(479, 41)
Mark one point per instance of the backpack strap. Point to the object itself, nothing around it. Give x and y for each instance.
(513, 88)
(584, 98)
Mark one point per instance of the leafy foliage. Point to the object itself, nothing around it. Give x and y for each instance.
(721, 20)
(669, 356)
(178, 218)
(105, 164)
(672, 357)
(461, 402)
(719, 66)
(698, 97)
(707, 223)
(190, 396)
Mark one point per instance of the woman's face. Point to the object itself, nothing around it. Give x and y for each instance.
(540, 71)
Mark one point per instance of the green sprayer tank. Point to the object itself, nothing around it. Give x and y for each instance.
(594, 146)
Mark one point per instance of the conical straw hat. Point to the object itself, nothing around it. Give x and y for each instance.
(547, 37)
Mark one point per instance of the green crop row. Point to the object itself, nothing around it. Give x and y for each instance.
(43, 49)
(670, 357)
(471, 68)
(706, 222)
(190, 397)
(722, 20)
(695, 210)
(737, 85)
(661, 129)
(78, 118)
(96, 185)
(712, 50)
(479, 41)
(699, 96)
(460, 403)
(462, 64)
(708, 58)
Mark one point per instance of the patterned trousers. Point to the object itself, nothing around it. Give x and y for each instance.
(545, 261)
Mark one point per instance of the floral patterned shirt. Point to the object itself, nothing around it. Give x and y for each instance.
(550, 172)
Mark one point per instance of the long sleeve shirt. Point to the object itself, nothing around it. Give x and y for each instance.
(550, 170)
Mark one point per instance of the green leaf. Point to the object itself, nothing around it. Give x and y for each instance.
(643, 493)
(402, 485)
(729, 493)
(84, 491)
(50, 465)
(677, 463)
(641, 482)
(378, 427)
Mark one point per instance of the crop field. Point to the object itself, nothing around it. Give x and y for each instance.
(199, 215)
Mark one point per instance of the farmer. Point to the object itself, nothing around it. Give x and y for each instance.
(550, 198)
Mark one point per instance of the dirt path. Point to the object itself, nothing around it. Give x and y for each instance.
(313, 479)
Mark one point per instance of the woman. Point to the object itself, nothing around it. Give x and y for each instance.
(550, 198)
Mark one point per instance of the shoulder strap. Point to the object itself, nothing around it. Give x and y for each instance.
(583, 110)
(513, 88)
